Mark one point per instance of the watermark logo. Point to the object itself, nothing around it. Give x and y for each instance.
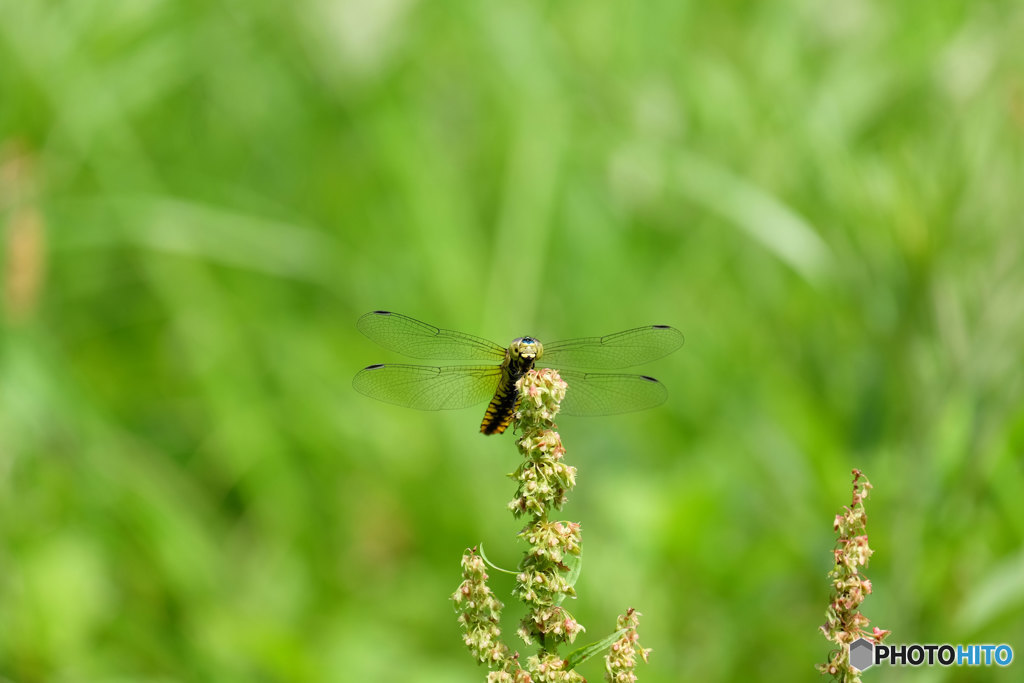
(864, 654)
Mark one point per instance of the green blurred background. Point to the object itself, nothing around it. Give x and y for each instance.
(199, 199)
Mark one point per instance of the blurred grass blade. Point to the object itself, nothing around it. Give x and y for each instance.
(1001, 591)
(762, 216)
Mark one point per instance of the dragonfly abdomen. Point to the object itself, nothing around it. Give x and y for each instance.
(502, 407)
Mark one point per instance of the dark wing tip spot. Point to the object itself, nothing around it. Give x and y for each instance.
(375, 366)
(650, 379)
(381, 312)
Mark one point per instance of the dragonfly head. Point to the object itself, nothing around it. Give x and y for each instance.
(526, 348)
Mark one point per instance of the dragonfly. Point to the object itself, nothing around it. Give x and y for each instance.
(429, 387)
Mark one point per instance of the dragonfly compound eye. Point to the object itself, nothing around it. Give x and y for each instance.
(526, 347)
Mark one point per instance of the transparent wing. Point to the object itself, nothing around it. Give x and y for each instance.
(415, 339)
(428, 388)
(611, 352)
(594, 393)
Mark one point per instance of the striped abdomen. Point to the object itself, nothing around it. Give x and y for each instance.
(501, 408)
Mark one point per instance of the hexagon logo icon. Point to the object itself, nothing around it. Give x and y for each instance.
(862, 654)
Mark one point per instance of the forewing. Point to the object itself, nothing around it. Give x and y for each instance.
(597, 393)
(611, 352)
(416, 339)
(428, 388)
